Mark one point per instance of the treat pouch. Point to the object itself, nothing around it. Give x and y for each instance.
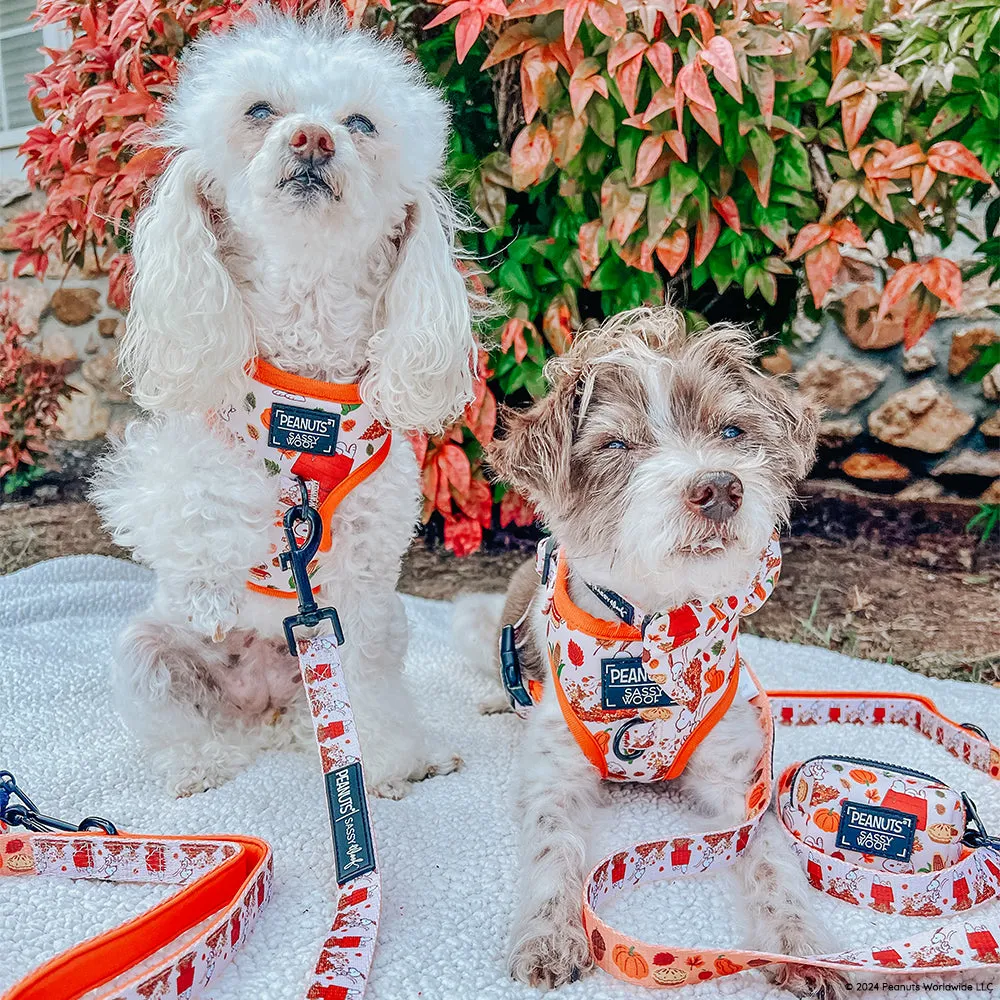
(876, 814)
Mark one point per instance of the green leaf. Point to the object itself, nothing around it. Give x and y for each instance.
(601, 116)
(888, 121)
(511, 275)
(953, 111)
(273, 469)
(792, 167)
(762, 146)
(611, 273)
(629, 140)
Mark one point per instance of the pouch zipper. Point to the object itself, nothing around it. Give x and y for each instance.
(871, 763)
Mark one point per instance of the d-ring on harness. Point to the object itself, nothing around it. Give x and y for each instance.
(178, 947)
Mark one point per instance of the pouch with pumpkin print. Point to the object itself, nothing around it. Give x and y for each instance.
(875, 814)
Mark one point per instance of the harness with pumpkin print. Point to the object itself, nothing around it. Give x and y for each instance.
(639, 694)
(298, 427)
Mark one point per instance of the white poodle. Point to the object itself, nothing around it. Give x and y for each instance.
(299, 226)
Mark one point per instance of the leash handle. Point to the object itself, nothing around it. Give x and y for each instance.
(970, 943)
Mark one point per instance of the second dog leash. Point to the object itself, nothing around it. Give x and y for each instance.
(346, 957)
(973, 944)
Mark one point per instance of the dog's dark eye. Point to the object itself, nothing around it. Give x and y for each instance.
(731, 432)
(358, 123)
(615, 445)
(260, 111)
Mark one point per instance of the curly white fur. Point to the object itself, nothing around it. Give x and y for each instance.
(333, 261)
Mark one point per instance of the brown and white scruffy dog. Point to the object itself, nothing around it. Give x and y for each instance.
(661, 462)
(299, 221)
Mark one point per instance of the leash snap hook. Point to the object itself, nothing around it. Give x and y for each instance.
(975, 829)
(297, 559)
(26, 813)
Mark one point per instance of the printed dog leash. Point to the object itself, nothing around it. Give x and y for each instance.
(176, 948)
(971, 944)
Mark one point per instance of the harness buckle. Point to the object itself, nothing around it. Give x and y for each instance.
(26, 814)
(975, 830)
(297, 559)
(510, 670)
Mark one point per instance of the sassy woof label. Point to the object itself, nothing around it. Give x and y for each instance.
(625, 684)
(887, 833)
(354, 852)
(295, 428)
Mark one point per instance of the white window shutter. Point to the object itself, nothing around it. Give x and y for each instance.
(19, 55)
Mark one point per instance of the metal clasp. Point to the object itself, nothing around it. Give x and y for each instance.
(975, 830)
(297, 559)
(27, 815)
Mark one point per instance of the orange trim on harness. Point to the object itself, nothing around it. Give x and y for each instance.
(583, 736)
(333, 392)
(704, 727)
(576, 618)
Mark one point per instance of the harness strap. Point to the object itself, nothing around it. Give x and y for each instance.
(974, 880)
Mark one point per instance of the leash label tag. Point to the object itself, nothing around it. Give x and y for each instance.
(295, 428)
(887, 833)
(625, 684)
(353, 849)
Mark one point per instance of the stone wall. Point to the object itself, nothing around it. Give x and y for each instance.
(67, 319)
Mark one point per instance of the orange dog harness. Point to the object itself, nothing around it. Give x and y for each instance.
(641, 693)
(321, 431)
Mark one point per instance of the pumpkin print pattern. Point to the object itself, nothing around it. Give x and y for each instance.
(690, 652)
(934, 892)
(362, 445)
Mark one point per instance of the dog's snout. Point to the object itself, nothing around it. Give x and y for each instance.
(312, 143)
(716, 495)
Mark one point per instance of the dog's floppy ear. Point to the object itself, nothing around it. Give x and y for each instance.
(421, 356)
(533, 456)
(187, 338)
(798, 415)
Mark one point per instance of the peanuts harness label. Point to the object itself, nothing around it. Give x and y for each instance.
(296, 428)
(887, 833)
(625, 684)
(352, 837)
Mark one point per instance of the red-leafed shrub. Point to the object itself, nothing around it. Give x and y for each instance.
(30, 391)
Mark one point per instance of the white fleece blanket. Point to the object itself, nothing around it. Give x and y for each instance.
(447, 850)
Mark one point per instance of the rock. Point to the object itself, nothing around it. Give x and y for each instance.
(837, 433)
(839, 384)
(7, 243)
(922, 489)
(970, 463)
(75, 306)
(919, 358)
(880, 468)
(83, 415)
(805, 329)
(33, 299)
(992, 493)
(110, 327)
(965, 346)
(58, 348)
(12, 191)
(779, 363)
(922, 417)
(991, 425)
(4, 270)
(102, 373)
(991, 383)
(860, 308)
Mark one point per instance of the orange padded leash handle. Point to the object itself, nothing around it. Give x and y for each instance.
(228, 878)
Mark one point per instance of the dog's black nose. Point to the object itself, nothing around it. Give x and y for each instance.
(716, 495)
(312, 143)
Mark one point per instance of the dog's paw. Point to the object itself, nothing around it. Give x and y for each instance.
(197, 778)
(550, 959)
(446, 764)
(809, 981)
